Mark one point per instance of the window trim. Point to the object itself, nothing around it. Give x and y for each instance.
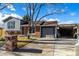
(11, 25)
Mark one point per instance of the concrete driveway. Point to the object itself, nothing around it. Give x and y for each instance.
(45, 47)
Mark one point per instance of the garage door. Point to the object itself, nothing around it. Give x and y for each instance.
(47, 31)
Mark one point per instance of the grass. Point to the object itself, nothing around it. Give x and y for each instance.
(1, 43)
(2, 39)
(21, 44)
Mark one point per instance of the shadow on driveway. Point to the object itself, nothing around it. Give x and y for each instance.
(29, 50)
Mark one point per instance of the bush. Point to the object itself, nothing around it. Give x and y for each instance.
(2, 39)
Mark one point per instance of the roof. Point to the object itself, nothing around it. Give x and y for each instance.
(23, 22)
(51, 22)
(8, 18)
(44, 23)
(67, 24)
(47, 22)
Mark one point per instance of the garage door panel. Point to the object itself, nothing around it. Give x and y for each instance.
(47, 31)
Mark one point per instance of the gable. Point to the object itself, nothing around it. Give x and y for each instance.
(7, 19)
(10, 18)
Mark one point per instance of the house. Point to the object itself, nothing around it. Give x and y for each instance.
(16, 26)
(47, 29)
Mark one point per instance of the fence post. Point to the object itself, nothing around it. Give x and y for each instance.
(10, 43)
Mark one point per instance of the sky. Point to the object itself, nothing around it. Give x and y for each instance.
(70, 12)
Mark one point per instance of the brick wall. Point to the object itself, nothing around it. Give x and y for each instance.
(24, 30)
(37, 31)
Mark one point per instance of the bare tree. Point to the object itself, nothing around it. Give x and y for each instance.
(3, 6)
(34, 10)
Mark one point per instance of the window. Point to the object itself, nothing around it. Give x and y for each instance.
(11, 25)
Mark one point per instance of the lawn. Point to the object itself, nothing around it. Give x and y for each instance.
(1, 43)
(22, 41)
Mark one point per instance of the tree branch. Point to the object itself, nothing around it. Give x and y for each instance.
(4, 6)
(47, 15)
(38, 12)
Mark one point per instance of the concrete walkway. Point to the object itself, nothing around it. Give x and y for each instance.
(45, 47)
(67, 48)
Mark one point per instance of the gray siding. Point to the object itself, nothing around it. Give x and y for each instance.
(17, 24)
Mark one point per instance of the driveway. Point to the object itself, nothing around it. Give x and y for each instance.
(45, 47)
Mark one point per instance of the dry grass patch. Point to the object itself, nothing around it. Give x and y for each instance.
(22, 41)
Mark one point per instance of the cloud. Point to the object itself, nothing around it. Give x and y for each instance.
(5, 12)
(62, 10)
(24, 8)
(16, 15)
(1, 16)
(66, 7)
(11, 7)
(72, 14)
(59, 21)
(51, 19)
(67, 22)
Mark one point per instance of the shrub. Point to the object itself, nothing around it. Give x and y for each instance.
(2, 39)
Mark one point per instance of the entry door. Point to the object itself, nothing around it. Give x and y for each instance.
(47, 31)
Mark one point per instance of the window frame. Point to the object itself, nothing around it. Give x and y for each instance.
(11, 25)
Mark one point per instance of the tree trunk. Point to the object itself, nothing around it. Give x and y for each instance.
(31, 31)
(28, 33)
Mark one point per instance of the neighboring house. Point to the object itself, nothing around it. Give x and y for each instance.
(12, 25)
(1, 32)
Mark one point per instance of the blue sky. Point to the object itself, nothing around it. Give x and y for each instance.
(70, 15)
